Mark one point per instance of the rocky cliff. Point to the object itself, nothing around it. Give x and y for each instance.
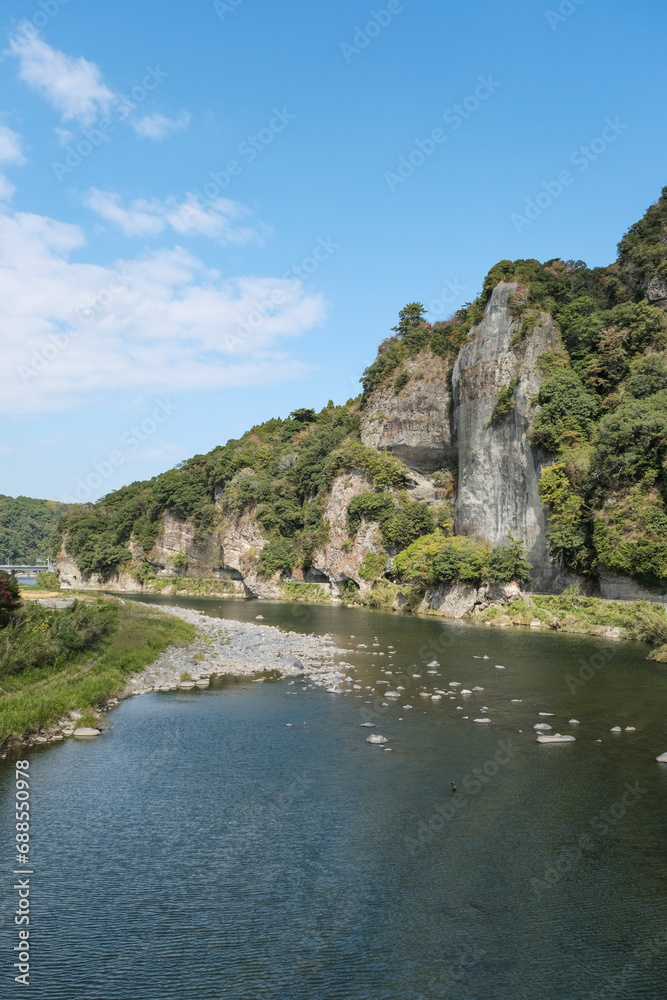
(538, 411)
(414, 423)
(498, 468)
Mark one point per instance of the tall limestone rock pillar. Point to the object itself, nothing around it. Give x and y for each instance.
(498, 469)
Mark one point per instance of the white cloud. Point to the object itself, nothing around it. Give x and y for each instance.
(162, 322)
(134, 221)
(219, 220)
(74, 87)
(11, 153)
(10, 146)
(157, 126)
(6, 189)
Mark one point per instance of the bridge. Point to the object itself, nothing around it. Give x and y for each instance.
(27, 569)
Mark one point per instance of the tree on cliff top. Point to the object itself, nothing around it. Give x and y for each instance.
(409, 318)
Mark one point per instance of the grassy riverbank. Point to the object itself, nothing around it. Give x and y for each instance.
(53, 661)
(573, 612)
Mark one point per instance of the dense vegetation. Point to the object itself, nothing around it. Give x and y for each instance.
(601, 422)
(27, 527)
(53, 661)
(437, 558)
(281, 470)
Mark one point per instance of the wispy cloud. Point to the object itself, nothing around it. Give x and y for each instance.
(76, 88)
(158, 126)
(10, 146)
(220, 219)
(10, 153)
(160, 322)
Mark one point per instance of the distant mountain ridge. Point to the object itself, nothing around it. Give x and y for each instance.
(27, 528)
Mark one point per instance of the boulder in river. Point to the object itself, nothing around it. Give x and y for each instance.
(86, 732)
(376, 739)
(662, 759)
(554, 738)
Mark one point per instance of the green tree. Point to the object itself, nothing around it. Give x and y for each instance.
(10, 598)
(507, 562)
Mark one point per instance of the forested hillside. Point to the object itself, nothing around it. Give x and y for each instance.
(599, 424)
(27, 527)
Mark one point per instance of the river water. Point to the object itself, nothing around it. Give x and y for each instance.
(203, 848)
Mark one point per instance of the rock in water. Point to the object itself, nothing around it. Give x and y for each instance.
(554, 738)
(367, 725)
(542, 725)
(662, 759)
(376, 739)
(86, 732)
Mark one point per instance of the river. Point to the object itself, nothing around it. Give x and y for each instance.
(204, 848)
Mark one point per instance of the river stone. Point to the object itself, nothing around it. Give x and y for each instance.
(186, 685)
(367, 725)
(202, 683)
(86, 731)
(376, 739)
(543, 726)
(481, 720)
(662, 759)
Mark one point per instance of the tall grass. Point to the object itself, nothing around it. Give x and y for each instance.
(85, 677)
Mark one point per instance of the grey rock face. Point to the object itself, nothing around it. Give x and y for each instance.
(414, 424)
(656, 292)
(498, 469)
(621, 588)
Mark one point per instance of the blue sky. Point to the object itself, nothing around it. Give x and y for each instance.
(211, 213)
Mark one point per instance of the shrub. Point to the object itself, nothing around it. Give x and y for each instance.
(506, 563)
(373, 566)
(460, 558)
(504, 402)
(401, 381)
(648, 622)
(10, 598)
(567, 410)
(40, 637)
(371, 507)
(566, 512)
(277, 556)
